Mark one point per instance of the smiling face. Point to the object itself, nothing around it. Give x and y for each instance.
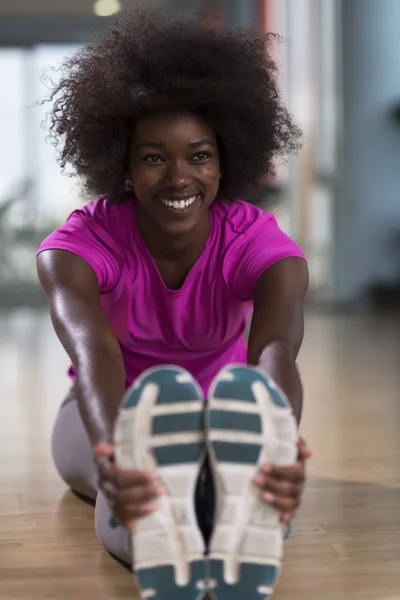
(175, 170)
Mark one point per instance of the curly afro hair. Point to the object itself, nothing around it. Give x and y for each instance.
(146, 62)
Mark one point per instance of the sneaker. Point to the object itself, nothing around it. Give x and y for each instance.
(249, 422)
(160, 428)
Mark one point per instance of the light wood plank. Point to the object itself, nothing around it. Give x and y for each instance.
(346, 538)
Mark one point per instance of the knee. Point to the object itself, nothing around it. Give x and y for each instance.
(71, 452)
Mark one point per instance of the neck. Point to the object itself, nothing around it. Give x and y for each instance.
(165, 246)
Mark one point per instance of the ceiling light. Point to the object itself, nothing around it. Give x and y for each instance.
(106, 8)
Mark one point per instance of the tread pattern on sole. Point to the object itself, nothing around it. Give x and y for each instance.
(246, 547)
(160, 428)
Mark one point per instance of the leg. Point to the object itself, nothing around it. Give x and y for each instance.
(117, 541)
(72, 455)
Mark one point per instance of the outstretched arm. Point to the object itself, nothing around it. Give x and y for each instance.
(277, 326)
(276, 335)
(73, 295)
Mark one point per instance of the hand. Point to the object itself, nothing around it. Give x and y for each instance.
(283, 487)
(131, 494)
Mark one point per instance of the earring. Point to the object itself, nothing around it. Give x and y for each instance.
(128, 186)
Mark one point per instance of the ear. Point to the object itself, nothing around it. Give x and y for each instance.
(128, 185)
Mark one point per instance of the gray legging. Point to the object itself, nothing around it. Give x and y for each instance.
(72, 455)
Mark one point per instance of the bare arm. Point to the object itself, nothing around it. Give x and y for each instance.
(277, 326)
(73, 295)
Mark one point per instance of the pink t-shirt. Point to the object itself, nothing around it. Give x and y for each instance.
(200, 326)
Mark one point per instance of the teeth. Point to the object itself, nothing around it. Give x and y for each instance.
(179, 205)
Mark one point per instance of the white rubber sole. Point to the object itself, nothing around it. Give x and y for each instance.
(160, 429)
(249, 422)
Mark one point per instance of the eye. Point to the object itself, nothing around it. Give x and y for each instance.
(201, 156)
(153, 159)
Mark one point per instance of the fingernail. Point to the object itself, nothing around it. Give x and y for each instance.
(270, 498)
(266, 468)
(113, 524)
(104, 450)
(132, 525)
(258, 480)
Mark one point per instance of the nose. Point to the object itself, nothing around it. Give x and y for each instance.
(177, 175)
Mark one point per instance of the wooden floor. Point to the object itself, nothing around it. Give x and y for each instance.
(346, 539)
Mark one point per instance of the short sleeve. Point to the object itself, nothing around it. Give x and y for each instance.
(262, 245)
(89, 240)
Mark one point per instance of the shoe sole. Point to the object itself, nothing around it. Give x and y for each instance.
(248, 423)
(160, 428)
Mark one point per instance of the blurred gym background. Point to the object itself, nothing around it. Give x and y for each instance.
(338, 198)
(340, 78)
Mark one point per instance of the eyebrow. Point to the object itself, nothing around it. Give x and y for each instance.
(162, 145)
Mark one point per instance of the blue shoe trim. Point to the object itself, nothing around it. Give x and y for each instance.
(238, 385)
(278, 398)
(239, 388)
(162, 580)
(171, 389)
(172, 385)
(234, 390)
(178, 453)
(288, 531)
(236, 452)
(178, 423)
(252, 576)
(227, 419)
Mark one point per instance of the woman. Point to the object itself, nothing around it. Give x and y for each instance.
(169, 123)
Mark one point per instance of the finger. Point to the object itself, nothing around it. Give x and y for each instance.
(304, 451)
(105, 470)
(104, 450)
(139, 494)
(280, 487)
(294, 473)
(283, 505)
(129, 478)
(132, 512)
(109, 491)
